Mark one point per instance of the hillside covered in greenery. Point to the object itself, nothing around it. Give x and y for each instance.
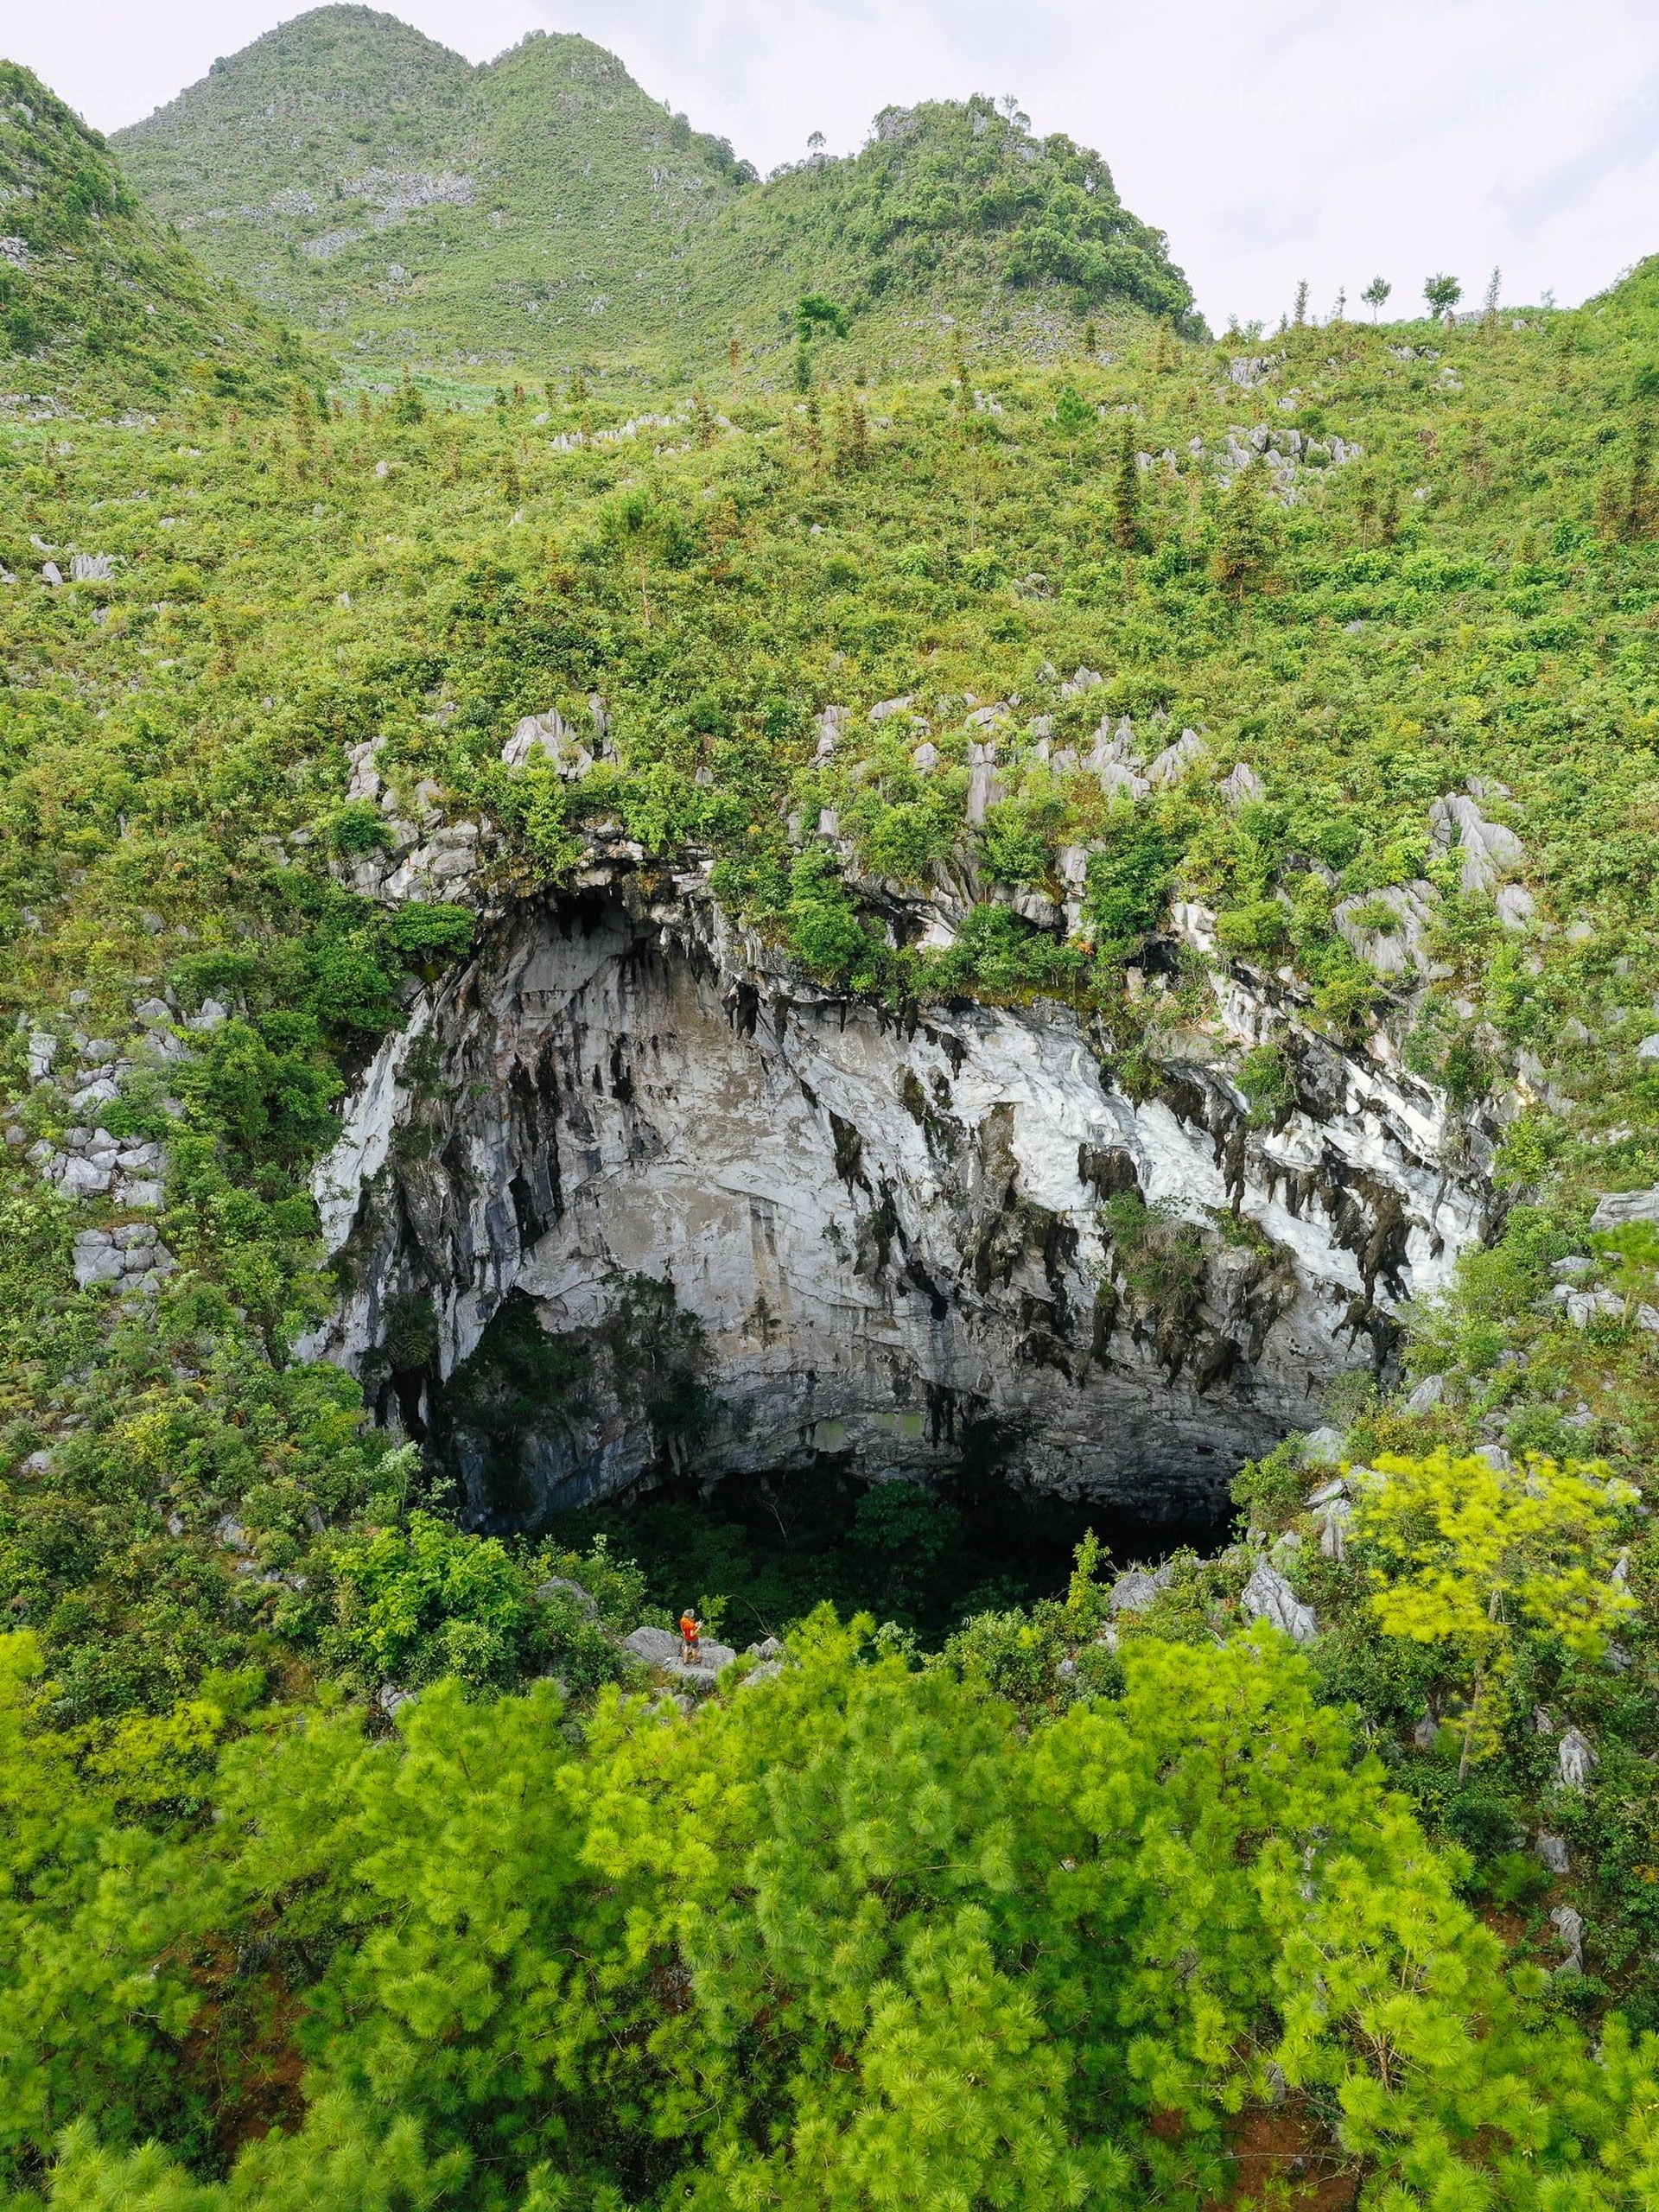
(353, 1857)
(98, 303)
(541, 214)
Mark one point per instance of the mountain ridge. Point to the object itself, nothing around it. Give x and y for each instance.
(97, 300)
(541, 211)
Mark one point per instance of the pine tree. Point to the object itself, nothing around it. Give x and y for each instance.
(1375, 294)
(1126, 495)
(852, 450)
(1091, 337)
(1299, 315)
(1249, 541)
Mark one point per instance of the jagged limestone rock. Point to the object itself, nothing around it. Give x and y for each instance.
(1573, 1758)
(885, 1233)
(1267, 1597)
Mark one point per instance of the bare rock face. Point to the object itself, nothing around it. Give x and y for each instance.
(878, 1239)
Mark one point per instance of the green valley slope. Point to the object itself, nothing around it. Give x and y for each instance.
(98, 304)
(542, 213)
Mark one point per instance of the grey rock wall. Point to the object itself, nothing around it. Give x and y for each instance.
(891, 1233)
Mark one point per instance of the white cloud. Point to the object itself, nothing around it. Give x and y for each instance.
(1329, 140)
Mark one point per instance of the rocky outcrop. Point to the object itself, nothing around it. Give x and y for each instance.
(889, 1240)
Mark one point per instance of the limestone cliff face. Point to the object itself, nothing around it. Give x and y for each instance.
(889, 1234)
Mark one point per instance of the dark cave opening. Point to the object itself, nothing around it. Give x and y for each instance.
(926, 1557)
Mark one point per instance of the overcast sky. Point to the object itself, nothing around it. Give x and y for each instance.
(1330, 139)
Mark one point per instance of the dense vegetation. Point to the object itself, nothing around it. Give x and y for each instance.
(97, 302)
(351, 1858)
(542, 213)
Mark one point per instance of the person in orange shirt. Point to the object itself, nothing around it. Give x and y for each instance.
(690, 1629)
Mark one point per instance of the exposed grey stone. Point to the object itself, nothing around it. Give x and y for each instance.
(1618, 1207)
(83, 1179)
(656, 1646)
(831, 727)
(1574, 1758)
(1489, 849)
(1649, 1048)
(551, 737)
(1335, 1517)
(1243, 786)
(1267, 1597)
(1427, 1733)
(762, 1120)
(1134, 1591)
(1427, 1394)
(1390, 950)
(1569, 1925)
(1323, 1448)
(1553, 1851)
(1174, 762)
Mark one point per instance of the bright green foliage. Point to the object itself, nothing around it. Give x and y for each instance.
(855, 1940)
(424, 1600)
(97, 302)
(1469, 1556)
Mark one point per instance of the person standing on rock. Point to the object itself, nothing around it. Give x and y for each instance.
(690, 1629)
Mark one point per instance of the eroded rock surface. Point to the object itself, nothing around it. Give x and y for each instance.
(892, 1235)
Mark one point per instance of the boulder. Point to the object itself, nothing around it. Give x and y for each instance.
(1552, 1850)
(1172, 763)
(661, 1648)
(1390, 951)
(656, 1646)
(1569, 1926)
(550, 736)
(830, 725)
(1243, 786)
(1618, 1207)
(1490, 848)
(1267, 1597)
(1574, 1759)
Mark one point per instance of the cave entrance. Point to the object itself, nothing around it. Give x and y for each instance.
(926, 1557)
